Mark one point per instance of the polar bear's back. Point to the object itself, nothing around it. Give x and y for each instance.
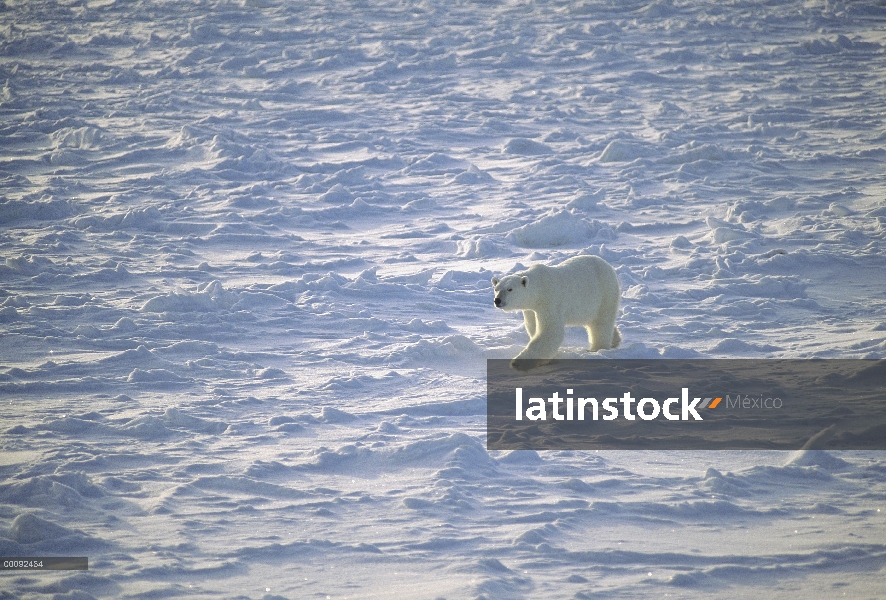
(580, 287)
(591, 266)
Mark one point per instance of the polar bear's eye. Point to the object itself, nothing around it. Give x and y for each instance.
(510, 289)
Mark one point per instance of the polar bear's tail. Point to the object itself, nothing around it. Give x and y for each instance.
(616, 338)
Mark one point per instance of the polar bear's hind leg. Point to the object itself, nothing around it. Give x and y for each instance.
(602, 334)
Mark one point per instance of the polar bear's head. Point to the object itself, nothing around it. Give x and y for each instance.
(513, 292)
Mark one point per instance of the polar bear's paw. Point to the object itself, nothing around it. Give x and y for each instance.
(527, 364)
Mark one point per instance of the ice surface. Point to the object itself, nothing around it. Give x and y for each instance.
(245, 252)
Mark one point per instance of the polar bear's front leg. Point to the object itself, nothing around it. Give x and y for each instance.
(531, 323)
(543, 346)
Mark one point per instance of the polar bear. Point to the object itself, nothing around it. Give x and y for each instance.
(580, 291)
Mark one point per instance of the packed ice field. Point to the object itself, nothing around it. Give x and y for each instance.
(245, 297)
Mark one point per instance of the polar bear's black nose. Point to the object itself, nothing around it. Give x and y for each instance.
(498, 301)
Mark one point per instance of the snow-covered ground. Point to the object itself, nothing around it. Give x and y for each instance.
(245, 251)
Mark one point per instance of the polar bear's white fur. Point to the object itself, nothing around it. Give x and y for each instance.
(581, 291)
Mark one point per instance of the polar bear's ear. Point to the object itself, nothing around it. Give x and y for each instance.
(495, 281)
(523, 281)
